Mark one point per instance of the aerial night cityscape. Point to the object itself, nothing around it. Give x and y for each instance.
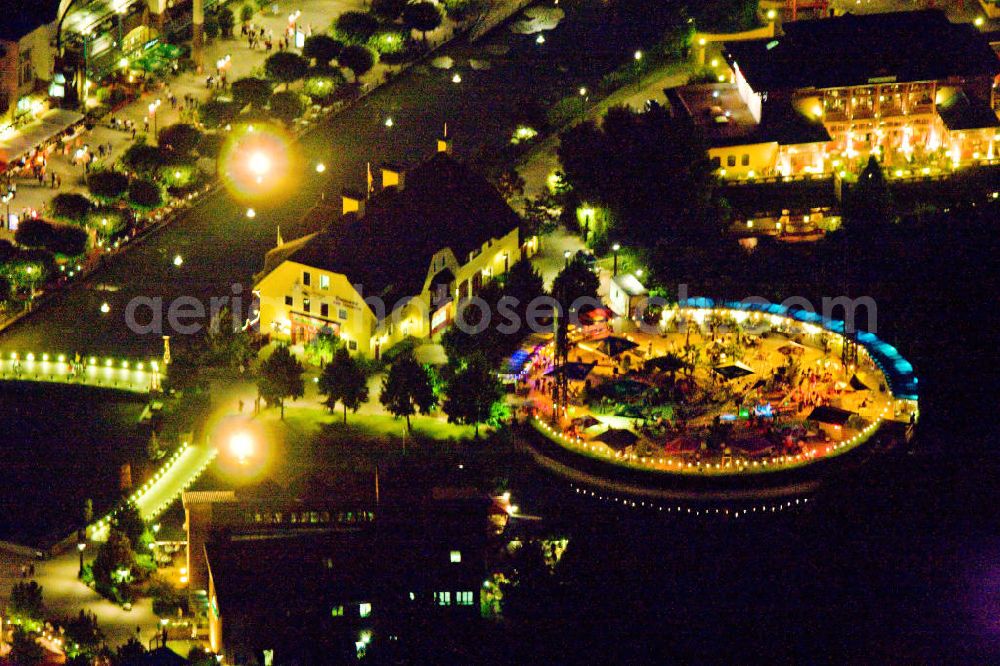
(499, 332)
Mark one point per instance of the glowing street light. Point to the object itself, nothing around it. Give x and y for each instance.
(540, 39)
(241, 446)
(251, 213)
(637, 55)
(457, 78)
(178, 260)
(320, 168)
(979, 21)
(105, 308)
(615, 248)
(259, 164)
(388, 122)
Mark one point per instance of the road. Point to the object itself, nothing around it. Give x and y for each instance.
(221, 247)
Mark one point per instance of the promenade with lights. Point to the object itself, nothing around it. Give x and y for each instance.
(110, 373)
(718, 394)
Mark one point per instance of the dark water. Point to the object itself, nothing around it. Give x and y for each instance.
(59, 446)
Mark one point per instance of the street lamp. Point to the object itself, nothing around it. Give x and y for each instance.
(251, 213)
(637, 55)
(567, 254)
(242, 446)
(615, 248)
(7, 196)
(178, 260)
(153, 107)
(320, 168)
(81, 545)
(260, 165)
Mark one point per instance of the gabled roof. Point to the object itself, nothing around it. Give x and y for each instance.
(388, 251)
(21, 18)
(857, 50)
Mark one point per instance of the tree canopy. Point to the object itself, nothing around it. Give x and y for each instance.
(357, 58)
(408, 389)
(285, 67)
(649, 170)
(107, 186)
(286, 105)
(145, 195)
(72, 208)
(356, 27)
(473, 394)
(344, 380)
(180, 138)
(322, 48)
(281, 378)
(251, 91)
(422, 16)
(388, 10)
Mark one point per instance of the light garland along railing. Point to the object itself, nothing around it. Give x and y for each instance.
(139, 376)
(99, 530)
(729, 467)
(723, 512)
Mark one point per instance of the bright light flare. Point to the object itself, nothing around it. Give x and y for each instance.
(258, 164)
(242, 446)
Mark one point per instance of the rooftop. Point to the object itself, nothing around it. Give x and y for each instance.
(21, 18)
(388, 251)
(725, 120)
(961, 112)
(858, 50)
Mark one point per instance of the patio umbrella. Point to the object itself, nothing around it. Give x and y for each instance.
(859, 385)
(682, 444)
(791, 348)
(573, 370)
(613, 346)
(830, 415)
(618, 439)
(592, 314)
(733, 371)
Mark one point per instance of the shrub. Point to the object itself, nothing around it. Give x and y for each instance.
(286, 106)
(57, 238)
(322, 86)
(217, 113)
(246, 13)
(72, 208)
(211, 26)
(211, 145)
(422, 16)
(107, 186)
(355, 27)
(145, 195)
(251, 91)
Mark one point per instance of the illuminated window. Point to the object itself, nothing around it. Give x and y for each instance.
(456, 556)
(342, 313)
(364, 609)
(464, 598)
(306, 305)
(442, 598)
(324, 281)
(338, 611)
(716, 162)
(731, 160)
(306, 278)
(745, 160)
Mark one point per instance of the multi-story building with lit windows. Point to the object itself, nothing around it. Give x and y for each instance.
(913, 88)
(396, 264)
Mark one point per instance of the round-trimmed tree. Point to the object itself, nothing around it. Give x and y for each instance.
(422, 16)
(180, 138)
(145, 195)
(355, 27)
(251, 91)
(359, 59)
(322, 49)
(107, 186)
(285, 67)
(217, 113)
(72, 208)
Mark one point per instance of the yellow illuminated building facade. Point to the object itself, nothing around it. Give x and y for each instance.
(395, 265)
(912, 88)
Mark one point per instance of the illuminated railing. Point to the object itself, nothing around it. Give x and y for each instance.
(123, 374)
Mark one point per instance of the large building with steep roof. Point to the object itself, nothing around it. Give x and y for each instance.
(395, 265)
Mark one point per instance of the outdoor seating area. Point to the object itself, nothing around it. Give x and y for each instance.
(713, 391)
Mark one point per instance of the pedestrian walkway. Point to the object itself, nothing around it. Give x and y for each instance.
(135, 377)
(316, 17)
